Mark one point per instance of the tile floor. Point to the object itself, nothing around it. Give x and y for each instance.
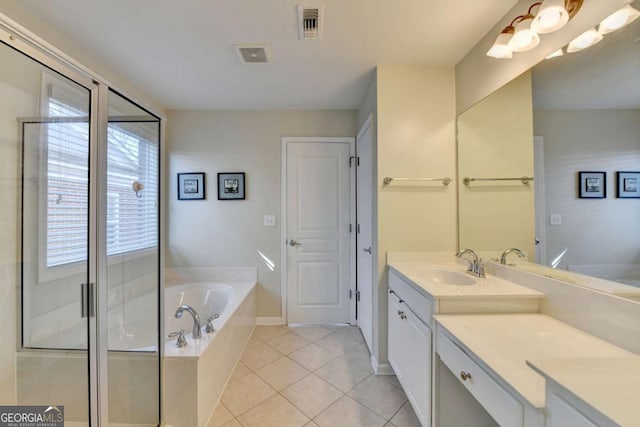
(310, 376)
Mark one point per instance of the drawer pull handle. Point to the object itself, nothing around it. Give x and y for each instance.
(402, 315)
(465, 376)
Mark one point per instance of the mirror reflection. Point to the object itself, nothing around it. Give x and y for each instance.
(577, 113)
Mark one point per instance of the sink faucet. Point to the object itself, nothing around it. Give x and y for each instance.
(196, 333)
(475, 266)
(503, 257)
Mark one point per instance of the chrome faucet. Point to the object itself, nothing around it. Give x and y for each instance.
(475, 266)
(196, 333)
(503, 257)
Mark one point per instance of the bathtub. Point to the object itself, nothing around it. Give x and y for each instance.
(208, 299)
(195, 376)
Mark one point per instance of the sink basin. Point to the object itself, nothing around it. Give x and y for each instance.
(449, 277)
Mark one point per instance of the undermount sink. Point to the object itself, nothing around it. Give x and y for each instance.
(449, 277)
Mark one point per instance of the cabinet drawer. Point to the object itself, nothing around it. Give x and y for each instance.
(421, 305)
(498, 402)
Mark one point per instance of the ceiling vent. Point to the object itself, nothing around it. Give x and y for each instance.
(310, 22)
(253, 53)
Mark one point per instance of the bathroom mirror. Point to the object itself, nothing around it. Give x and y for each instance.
(579, 112)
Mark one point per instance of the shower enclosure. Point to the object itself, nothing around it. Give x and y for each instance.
(80, 229)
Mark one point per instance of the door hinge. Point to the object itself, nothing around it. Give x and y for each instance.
(356, 292)
(357, 295)
(350, 293)
(350, 228)
(358, 228)
(352, 158)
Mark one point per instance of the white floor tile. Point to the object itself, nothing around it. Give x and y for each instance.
(346, 412)
(311, 395)
(379, 396)
(246, 393)
(259, 356)
(312, 357)
(287, 343)
(342, 374)
(282, 373)
(273, 412)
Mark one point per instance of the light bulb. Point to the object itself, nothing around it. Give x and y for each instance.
(500, 48)
(618, 19)
(584, 40)
(524, 37)
(551, 16)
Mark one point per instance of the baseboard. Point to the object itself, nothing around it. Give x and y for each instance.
(268, 321)
(381, 368)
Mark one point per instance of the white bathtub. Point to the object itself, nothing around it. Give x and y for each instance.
(207, 299)
(195, 375)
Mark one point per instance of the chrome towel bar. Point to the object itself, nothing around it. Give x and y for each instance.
(523, 179)
(446, 180)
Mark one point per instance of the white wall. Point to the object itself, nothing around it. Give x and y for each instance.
(416, 138)
(495, 139)
(214, 233)
(599, 231)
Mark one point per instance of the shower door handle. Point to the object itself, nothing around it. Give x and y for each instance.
(87, 306)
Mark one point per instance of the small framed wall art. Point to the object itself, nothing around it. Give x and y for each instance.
(592, 185)
(628, 185)
(191, 186)
(231, 186)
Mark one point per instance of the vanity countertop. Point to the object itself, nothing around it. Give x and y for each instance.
(505, 342)
(610, 385)
(489, 287)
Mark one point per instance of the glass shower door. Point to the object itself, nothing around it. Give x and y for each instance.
(46, 173)
(133, 263)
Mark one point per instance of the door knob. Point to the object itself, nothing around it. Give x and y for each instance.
(294, 243)
(367, 250)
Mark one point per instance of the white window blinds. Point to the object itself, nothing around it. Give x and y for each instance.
(67, 175)
(132, 155)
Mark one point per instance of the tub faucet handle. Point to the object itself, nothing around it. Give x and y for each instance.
(209, 326)
(181, 341)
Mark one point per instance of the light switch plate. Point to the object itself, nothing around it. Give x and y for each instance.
(269, 220)
(555, 219)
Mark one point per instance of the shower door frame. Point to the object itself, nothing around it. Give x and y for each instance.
(25, 42)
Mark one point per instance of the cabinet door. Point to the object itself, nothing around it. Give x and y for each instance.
(562, 414)
(418, 366)
(397, 344)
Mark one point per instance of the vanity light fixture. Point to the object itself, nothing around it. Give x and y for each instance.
(554, 14)
(522, 34)
(584, 40)
(500, 48)
(524, 38)
(556, 54)
(618, 19)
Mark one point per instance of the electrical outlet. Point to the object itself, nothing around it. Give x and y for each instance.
(555, 219)
(269, 220)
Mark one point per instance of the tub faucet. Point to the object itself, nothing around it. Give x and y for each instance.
(196, 333)
(503, 257)
(475, 266)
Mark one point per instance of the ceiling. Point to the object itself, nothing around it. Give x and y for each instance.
(604, 76)
(181, 53)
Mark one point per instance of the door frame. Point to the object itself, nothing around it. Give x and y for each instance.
(283, 221)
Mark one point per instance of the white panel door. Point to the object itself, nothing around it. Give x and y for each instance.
(318, 212)
(365, 251)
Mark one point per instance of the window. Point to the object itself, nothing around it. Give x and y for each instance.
(132, 156)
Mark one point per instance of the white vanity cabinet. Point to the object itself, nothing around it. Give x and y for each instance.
(562, 413)
(410, 345)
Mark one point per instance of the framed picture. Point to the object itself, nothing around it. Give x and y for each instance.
(191, 186)
(231, 186)
(628, 185)
(592, 185)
